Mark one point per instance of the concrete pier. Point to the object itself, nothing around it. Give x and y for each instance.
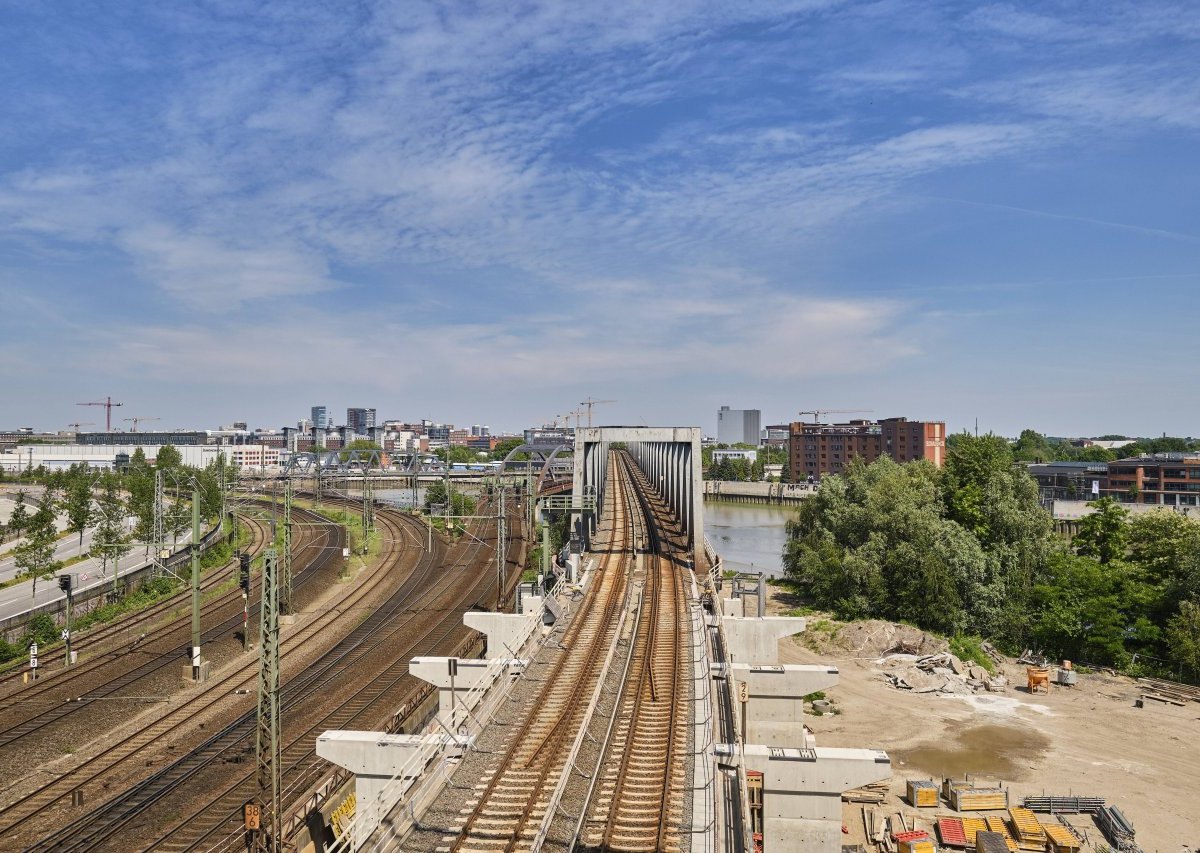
(454, 678)
(775, 705)
(802, 791)
(376, 760)
(755, 639)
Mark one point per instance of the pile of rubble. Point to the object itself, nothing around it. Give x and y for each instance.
(938, 673)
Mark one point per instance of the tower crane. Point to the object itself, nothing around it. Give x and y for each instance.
(589, 402)
(137, 421)
(108, 405)
(816, 413)
(77, 424)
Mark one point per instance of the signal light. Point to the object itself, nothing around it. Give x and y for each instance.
(244, 572)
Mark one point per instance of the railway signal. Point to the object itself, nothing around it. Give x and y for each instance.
(65, 583)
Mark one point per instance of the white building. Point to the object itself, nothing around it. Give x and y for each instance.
(749, 455)
(61, 456)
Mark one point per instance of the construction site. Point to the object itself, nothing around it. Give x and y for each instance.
(1014, 756)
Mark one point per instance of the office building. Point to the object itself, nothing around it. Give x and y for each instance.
(816, 449)
(738, 426)
(320, 417)
(1167, 479)
(360, 421)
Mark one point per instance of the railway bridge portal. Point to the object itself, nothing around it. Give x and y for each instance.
(668, 456)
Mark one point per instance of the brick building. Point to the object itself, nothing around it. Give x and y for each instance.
(1169, 479)
(815, 450)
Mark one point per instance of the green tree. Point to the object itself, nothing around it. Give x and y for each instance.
(168, 458)
(1163, 544)
(78, 506)
(1103, 534)
(139, 483)
(18, 519)
(34, 558)
(1183, 637)
(137, 462)
(1032, 446)
(507, 446)
(110, 542)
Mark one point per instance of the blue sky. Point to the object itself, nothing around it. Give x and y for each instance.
(487, 212)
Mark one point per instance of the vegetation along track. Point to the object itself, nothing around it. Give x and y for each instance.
(637, 803)
(116, 638)
(40, 706)
(355, 683)
(47, 803)
(512, 805)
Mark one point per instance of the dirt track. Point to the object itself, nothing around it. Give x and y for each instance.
(1088, 740)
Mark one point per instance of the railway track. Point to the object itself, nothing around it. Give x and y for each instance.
(46, 802)
(637, 801)
(42, 705)
(113, 638)
(511, 807)
(421, 617)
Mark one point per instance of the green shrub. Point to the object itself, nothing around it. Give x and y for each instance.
(970, 649)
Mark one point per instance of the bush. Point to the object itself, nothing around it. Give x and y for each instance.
(41, 629)
(970, 649)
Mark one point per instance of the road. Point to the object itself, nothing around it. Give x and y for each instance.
(18, 599)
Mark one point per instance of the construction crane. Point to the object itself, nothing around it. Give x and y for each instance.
(816, 413)
(108, 405)
(137, 421)
(589, 402)
(75, 426)
(574, 413)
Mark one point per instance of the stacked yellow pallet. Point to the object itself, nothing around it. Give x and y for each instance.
(1060, 839)
(1029, 832)
(978, 799)
(923, 793)
(973, 825)
(997, 824)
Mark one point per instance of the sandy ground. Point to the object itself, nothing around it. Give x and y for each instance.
(1089, 740)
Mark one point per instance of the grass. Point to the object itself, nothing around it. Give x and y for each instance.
(970, 649)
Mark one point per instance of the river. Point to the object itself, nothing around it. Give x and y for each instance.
(749, 537)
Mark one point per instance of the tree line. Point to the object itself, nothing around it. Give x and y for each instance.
(85, 497)
(968, 550)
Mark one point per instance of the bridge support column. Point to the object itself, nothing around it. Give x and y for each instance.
(802, 792)
(506, 633)
(775, 708)
(755, 639)
(376, 759)
(454, 678)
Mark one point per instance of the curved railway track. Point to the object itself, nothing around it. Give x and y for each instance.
(511, 806)
(46, 702)
(430, 598)
(41, 803)
(113, 638)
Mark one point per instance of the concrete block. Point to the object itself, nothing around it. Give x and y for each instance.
(468, 674)
(802, 792)
(376, 759)
(775, 710)
(755, 639)
(506, 632)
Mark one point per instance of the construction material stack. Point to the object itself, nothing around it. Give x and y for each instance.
(923, 793)
(951, 833)
(1059, 839)
(1028, 830)
(968, 799)
(917, 841)
(997, 825)
(990, 842)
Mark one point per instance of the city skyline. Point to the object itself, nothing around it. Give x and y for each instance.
(478, 213)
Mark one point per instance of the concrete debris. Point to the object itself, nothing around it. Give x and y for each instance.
(937, 673)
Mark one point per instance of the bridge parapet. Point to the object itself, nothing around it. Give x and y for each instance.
(668, 456)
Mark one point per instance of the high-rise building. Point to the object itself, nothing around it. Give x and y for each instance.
(738, 426)
(320, 417)
(360, 420)
(815, 450)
